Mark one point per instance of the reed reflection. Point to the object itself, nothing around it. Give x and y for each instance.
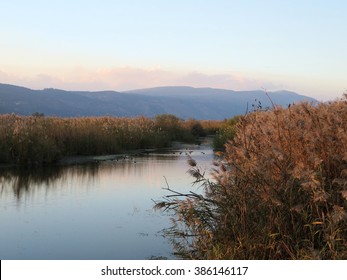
(25, 181)
(94, 210)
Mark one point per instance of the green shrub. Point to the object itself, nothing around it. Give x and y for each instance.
(225, 133)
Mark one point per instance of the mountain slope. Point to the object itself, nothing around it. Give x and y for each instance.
(184, 102)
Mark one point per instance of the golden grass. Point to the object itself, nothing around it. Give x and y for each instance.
(37, 139)
(279, 193)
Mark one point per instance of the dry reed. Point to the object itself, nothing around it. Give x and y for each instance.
(39, 140)
(280, 191)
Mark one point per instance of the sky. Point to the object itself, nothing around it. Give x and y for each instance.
(297, 45)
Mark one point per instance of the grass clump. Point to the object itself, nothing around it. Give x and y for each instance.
(280, 191)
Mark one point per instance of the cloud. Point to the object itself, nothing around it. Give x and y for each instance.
(225, 81)
(132, 78)
(126, 78)
(3, 75)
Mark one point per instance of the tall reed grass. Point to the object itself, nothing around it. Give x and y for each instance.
(280, 191)
(38, 140)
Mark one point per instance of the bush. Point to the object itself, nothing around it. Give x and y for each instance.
(170, 125)
(225, 133)
(195, 128)
(279, 193)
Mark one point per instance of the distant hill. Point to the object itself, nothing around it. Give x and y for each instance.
(184, 102)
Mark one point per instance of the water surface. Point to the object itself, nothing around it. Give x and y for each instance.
(100, 210)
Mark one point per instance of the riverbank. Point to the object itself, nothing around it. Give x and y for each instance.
(174, 147)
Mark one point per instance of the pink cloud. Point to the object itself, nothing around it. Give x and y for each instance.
(225, 81)
(126, 78)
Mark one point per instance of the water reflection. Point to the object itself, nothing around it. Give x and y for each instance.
(99, 210)
(24, 181)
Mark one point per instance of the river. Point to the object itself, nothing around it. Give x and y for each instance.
(96, 210)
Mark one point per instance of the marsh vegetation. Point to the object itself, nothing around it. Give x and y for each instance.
(279, 191)
(41, 140)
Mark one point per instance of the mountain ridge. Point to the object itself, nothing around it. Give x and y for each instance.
(182, 101)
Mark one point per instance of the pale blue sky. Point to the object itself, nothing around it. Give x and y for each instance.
(119, 45)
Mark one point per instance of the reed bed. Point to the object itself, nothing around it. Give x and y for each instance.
(279, 192)
(39, 140)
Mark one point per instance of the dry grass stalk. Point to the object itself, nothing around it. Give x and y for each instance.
(282, 193)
